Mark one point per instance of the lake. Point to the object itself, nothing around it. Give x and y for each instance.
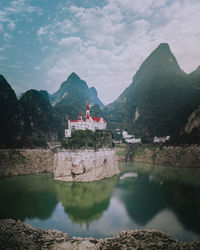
(142, 197)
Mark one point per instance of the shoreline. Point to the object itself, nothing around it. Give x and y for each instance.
(172, 156)
(66, 165)
(17, 234)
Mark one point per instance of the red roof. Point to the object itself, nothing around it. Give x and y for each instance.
(88, 107)
(74, 120)
(97, 119)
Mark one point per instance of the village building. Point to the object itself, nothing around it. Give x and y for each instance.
(90, 123)
(130, 138)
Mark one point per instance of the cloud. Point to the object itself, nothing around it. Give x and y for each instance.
(70, 42)
(105, 43)
(11, 26)
(119, 36)
(21, 6)
(15, 11)
(2, 57)
(42, 31)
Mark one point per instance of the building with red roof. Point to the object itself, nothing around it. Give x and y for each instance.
(91, 123)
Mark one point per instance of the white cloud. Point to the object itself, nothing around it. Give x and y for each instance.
(106, 45)
(70, 42)
(121, 35)
(42, 31)
(2, 57)
(11, 26)
(37, 68)
(19, 8)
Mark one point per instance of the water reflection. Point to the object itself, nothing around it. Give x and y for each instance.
(85, 202)
(157, 188)
(27, 197)
(142, 196)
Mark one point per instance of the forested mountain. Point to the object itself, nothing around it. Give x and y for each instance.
(32, 120)
(159, 99)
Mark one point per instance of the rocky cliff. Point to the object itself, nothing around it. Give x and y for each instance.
(66, 165)
(19, 235)
(177, 156)
(85, 165)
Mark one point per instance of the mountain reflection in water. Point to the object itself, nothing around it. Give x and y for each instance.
(143, 196)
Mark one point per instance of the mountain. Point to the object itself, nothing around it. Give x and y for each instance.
(79, 89)
(30, 121)
(159, 99)
(94, 96)
(71, 98)
(8, 113)
(40, 123)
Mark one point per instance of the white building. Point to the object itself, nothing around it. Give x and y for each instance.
(161, 139)
(130, 138)
(91, 123)
(133, 140)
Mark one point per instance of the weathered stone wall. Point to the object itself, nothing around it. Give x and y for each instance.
(25, 161)
(85, 165)
(178, 156)
(66, 165)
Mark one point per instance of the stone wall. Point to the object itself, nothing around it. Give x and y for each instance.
(66, 165)
(85, 165)
(25, 161)
(178, 156)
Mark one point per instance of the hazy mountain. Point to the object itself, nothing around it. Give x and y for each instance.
(95, 98)
(159, 99)
(79, 89)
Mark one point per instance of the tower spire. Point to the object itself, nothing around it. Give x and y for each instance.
(88, 112)
(80, 116)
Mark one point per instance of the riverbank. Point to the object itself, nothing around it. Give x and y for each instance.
(66, 165)
(177, 156)
(19, 235)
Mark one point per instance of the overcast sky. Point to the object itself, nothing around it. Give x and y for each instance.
(103, 41)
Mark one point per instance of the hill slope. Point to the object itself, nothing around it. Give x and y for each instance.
(159, 99)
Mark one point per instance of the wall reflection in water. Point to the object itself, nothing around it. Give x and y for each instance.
(142, 196)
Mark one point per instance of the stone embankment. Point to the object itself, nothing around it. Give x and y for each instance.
(19, 235)
(66, 165)
(177, 156)
(85, 165)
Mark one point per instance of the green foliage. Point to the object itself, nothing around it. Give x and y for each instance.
(86, 139)
(122, 150)
(163, 95)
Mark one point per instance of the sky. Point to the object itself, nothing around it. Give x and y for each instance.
(103, 41)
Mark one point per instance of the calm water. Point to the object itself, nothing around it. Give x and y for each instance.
(142, 196)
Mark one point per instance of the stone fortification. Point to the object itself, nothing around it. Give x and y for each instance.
(25, 161)
(85, 165)
(66, 165)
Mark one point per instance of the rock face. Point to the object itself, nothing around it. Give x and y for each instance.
(25, 161)
(66, 165)
(19, 235)
(177, 156)
(85, 165)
